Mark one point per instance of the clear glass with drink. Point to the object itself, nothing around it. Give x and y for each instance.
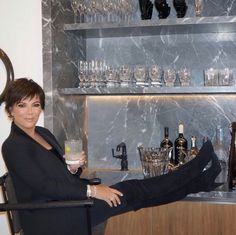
(73, 149)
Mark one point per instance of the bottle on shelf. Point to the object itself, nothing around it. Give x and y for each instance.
(232, 159)
(194, 149)
(166, 143)
(222, 154)
(181, 146)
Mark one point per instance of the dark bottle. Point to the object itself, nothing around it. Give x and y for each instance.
(194, 149)
(232, 159)
(181, 146)
(166, 143)
(162, 8)
(180, 7)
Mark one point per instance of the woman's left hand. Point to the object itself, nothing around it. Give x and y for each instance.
(82, 162)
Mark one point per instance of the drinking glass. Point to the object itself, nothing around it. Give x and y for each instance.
(82, 66)
(211, 77)
(74, 6)
(198, 7)
(81, 7)
(155, 74)
(73, 149)
(169, 77)
(111, 76)
(125, 73)
(140, 75)
(225, 77)
(184, 77)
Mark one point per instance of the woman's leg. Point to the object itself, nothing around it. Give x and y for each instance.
(189, 178)
(161, 185)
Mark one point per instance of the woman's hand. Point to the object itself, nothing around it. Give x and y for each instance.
(110, 195)
(82, 162)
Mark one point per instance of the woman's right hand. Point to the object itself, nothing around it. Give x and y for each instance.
(110, 195)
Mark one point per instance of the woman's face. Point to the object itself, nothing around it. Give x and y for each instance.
(26, 113)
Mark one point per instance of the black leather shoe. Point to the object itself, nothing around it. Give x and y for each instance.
(206, 181)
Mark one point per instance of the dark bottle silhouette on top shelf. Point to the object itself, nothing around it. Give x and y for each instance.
(162, 8)
(180, 7)
(146, 8)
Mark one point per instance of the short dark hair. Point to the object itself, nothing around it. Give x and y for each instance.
(22, 88)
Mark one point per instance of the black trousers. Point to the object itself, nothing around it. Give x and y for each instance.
(161, 189)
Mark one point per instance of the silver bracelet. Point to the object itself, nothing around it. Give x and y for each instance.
(89, 192)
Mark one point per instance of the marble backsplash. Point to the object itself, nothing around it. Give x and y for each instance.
(105, 121)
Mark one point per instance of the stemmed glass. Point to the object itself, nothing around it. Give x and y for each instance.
(74, 6)
(83, 74)
(81, 8)
(125, 75)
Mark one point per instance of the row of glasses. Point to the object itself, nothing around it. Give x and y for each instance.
(100, 11)
(218, 77)
(96, 73)
(170, 77)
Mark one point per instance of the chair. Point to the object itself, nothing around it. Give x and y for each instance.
(10, 205)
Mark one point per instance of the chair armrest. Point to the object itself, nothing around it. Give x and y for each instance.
(45, 205)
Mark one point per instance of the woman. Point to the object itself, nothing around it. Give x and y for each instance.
(39, 173)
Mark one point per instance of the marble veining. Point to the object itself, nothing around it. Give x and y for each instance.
(105, 121)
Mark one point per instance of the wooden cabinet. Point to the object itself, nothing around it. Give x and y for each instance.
(180, 218)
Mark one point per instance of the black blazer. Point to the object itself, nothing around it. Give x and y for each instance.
(40, 175)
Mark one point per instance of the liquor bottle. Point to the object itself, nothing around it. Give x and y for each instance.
(194, 149)
(181, 146)
(232, 159)
(166, 143)
(222, 154)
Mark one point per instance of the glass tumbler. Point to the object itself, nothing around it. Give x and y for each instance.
(73, 149)
(125, 73)
(184, 77)
(169, 77)
(225, 77)
(155, 74)
(211, 77)
(111, 76)
(140, 75)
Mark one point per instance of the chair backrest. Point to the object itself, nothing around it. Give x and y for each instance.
(11, 206)
(9, 196)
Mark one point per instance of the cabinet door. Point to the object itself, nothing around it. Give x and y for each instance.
(138, 223)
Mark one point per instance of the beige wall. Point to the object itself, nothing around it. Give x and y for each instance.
(21, 39)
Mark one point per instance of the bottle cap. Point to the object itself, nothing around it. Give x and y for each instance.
(181, 128)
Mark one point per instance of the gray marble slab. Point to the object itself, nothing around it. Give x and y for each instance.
(105, 121)
(217, 24)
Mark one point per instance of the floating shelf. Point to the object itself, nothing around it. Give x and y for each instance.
(148, 91)
(219, 24)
